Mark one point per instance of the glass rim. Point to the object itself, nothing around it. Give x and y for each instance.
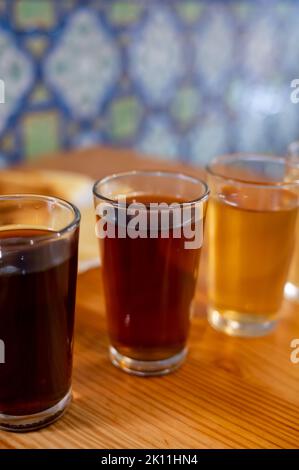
(249, 157)
(159, 173)
(54, 200)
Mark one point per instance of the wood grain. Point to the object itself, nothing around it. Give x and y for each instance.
(231, 393)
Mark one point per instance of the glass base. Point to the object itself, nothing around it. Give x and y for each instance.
(37, 420)
(249, 327)
(147, 368)
(291, 292)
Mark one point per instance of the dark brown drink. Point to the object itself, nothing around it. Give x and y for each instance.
(37, 285)
(149, 286)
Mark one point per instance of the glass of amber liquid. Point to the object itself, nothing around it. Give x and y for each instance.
(251, 224)
(150, 233)
(292, 286)
(38, 275)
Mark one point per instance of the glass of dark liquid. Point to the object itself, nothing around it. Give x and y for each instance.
(38, 273)
(150, 230)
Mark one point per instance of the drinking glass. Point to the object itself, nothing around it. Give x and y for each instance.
(149, 266)
(292, 286)
(38, 273)
(251, 224)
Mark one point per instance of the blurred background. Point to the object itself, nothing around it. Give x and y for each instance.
(178, 79)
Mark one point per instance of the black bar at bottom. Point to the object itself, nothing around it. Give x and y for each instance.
(136, 458)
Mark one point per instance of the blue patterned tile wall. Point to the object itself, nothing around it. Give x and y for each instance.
(181, 79)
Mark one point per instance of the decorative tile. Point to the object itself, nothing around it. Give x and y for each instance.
(40, 134)
(184, 79)
(67, 6)
(84, 66)
(34, 14)
(186, 105)
(8, 143)
(260, 57)
(86, 139)
(290, 45)
(214, 48)
(159, 139)
(208, 138)
(189, 10)
(37, 45)
(156, 56)
(124, 12)
(243, 9)
(123, 118)
(72, 129)
(40, 94)
(16, 72)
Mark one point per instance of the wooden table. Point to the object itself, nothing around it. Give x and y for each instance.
(231, 393)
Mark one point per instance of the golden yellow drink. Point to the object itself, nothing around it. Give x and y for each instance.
(251, 240)
(292, 174)
(293, 277)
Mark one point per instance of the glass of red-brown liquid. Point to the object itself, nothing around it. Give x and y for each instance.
(150, 230)
(38, 273)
